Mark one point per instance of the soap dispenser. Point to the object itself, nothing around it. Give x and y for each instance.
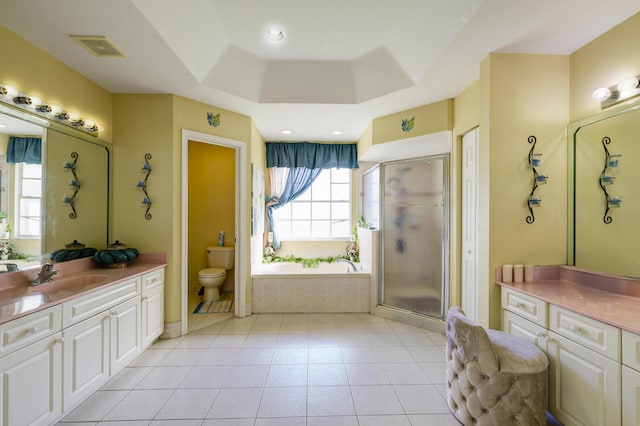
(221, 238)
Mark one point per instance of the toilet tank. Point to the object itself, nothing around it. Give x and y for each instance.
(220, 257)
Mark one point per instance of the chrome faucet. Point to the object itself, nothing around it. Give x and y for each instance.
(46, 274)
(349, 262)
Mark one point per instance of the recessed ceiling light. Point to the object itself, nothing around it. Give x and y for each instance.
(274, 34)
(337, 132)
(2, 125)
(285, 132)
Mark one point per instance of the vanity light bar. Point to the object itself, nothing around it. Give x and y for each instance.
(627, 88)
(11, 96)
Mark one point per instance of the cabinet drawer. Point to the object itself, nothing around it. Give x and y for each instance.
(588, 332)
(631, 350)
(518, 326)
(528, 307)
(152, 280)
(20, 332)
(83, 307)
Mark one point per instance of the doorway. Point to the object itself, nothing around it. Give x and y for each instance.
(240, 193)
(469, 274)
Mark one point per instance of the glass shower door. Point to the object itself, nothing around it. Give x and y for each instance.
(415, 241)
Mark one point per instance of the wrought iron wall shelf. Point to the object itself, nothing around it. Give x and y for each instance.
(535, 160)
(74, 183)
(611, 163)
(146, 200)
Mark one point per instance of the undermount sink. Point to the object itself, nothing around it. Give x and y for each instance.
(67, 283)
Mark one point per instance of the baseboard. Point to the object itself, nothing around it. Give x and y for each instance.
(172, 330)
(410, 318)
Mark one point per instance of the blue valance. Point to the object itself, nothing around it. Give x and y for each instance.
(312, 155)
(24, 150)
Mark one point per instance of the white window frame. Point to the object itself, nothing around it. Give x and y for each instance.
(281, 223)
(19, 172)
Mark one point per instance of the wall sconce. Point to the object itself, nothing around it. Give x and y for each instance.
(34, 105)
(535, 160)
(142, 184)
(70, 166)
(611, 163)
(627, 88)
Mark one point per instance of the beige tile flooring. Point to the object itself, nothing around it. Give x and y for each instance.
(280, 369)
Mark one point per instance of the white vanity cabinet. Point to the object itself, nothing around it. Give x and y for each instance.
(102, 335)
(31, 369)
(630, 379)
(152, 306)
(52, 359)
(584, 358)
(584, 386)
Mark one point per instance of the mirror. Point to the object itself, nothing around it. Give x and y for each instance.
(37, 220)
(606, 148)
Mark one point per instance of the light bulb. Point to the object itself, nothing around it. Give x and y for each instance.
(628, 83)
(601, 94)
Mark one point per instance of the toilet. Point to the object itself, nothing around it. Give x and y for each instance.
(219, 261)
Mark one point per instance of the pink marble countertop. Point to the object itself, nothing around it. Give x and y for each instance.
(606, 298)
(18, 298)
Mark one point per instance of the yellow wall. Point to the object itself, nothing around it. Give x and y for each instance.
(211, 202)
(602, 63)
(37, 73)
(524, 95)
(431, 118)
(153, 124)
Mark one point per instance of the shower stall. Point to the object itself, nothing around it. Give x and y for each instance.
(415, 239)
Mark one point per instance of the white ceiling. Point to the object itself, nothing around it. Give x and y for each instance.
(343, 62)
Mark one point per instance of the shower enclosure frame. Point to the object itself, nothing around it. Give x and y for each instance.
(445, 246)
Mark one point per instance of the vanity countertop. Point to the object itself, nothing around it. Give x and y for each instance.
(18, 298)
(606, 298)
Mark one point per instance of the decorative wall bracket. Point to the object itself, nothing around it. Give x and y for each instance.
(74, 183)
(611, 162)
(538, 179)
(142, 184)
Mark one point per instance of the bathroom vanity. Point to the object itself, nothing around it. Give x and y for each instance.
(61, 340)
(588, 324)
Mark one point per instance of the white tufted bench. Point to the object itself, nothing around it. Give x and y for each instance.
(493, 378)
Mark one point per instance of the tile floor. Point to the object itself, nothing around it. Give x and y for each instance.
(280, 369)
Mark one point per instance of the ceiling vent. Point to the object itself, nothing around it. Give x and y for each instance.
(99, 46)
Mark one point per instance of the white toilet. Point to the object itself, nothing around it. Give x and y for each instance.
(219, 261)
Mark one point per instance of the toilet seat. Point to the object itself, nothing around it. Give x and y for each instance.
(212, 272)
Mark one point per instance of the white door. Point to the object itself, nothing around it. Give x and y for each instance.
(86, 358)
(469, 258)
(584, 386)
(126, 331)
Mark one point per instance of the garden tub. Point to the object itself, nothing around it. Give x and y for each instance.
(282, 287)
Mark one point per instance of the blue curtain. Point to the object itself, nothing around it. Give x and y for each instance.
(24, 150)
(300, 178)
(312, 155)
(305, 161)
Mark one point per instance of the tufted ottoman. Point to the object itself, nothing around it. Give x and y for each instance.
(493, 378)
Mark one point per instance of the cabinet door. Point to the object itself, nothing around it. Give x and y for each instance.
(584, 386)
(31, 384)
(86, 358)
(126, 328)
(630, 397)
(152, 315)
(518, 326)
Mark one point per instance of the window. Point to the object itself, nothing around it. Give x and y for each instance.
(28, 194)
(322, 213)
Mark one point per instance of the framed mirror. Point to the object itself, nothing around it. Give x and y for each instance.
(604, 193)
(38, 210)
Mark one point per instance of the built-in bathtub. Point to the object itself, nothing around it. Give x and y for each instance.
(293, 288)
